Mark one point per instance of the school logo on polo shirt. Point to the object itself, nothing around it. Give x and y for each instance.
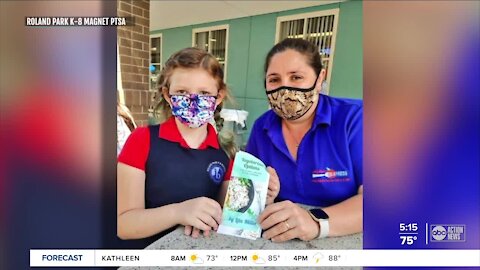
(216, 171)
(329, 175)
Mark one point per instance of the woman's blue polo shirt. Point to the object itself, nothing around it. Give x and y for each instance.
(328, 169)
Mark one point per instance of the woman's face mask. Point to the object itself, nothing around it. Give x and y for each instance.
(193, 110)
(291, 103)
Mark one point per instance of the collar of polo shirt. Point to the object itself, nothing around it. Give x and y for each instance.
(169, 131)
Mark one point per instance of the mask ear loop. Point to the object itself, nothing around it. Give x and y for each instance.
(294, 88)
(316, 80)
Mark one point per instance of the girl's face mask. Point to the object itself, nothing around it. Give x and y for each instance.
(291, 103)
(193, 110)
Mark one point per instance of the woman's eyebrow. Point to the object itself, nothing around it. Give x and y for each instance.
(289, 73)
(295, 72)
(272, 74)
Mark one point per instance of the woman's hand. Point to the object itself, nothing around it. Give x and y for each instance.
(273, 185)
(285, 220)
(200, 213)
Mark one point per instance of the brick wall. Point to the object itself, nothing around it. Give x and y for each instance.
(134, 50)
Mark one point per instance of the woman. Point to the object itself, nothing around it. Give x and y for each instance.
(315, 144)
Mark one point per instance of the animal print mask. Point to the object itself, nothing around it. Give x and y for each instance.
(291, 103)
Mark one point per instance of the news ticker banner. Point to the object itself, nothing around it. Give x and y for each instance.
(79, 21)
(222, 258)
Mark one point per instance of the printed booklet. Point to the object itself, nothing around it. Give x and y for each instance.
(246, 197)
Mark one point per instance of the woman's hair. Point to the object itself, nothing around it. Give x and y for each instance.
(196, 58)
(304, 47)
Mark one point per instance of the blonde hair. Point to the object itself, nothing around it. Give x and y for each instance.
(196, 58)
(125, 113)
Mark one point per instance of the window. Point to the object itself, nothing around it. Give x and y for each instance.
(319, 28)
(215, 41)
(155, 60)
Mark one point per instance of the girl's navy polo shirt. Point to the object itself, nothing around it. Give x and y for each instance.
(328, 169)
(174, 172)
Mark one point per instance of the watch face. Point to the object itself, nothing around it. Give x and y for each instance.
(319, 213)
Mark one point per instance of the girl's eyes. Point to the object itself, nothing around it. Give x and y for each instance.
(296, 78)
(205, 93)
(185, 92)
(182, 92)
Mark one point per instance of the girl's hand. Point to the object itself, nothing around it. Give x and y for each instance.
(273, 185)
(201, 213)
(285, 220)
(194, 232)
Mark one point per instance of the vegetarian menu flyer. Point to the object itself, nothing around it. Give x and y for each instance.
(246, 197)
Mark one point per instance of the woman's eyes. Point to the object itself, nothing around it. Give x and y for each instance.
(292, 78)
(273, 80)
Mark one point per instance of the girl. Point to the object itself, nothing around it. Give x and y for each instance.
(172, 173)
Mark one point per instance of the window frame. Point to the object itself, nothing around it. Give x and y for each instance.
(335, 12)
(214, 28)
(158, 35)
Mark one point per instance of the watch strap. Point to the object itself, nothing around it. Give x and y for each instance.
(324, 226)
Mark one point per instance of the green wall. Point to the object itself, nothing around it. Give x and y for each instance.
(347, 73)
(250, 38)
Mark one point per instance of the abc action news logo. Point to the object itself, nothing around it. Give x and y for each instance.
(447, 233)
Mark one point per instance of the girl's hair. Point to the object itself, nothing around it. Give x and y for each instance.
(304, 47)
(196, 58)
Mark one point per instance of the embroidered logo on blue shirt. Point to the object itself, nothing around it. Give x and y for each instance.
(216, 171)
(329, 175)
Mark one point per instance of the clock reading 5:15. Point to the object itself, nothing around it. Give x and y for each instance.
(408, 227)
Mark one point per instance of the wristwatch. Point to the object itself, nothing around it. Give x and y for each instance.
(322, 218)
